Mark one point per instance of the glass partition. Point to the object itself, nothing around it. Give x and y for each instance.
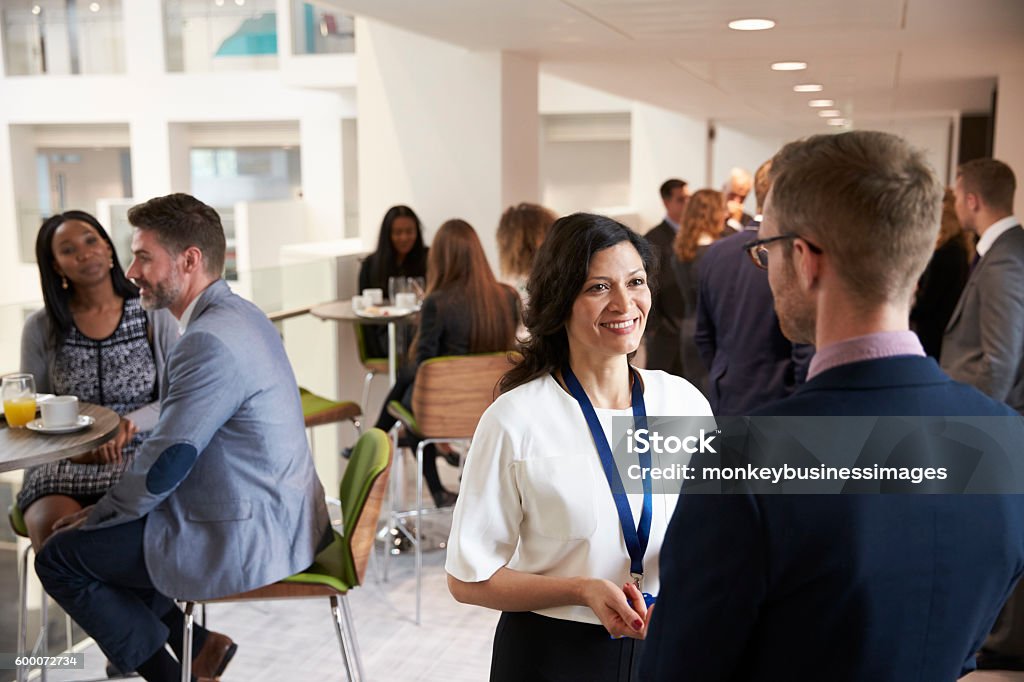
(220, 35)
(319, 28)
(62, 37)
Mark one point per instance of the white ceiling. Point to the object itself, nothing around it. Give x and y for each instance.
(876, 58)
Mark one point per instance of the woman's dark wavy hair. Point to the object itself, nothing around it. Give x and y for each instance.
(55, 296)
(559, 272)
(384, 261)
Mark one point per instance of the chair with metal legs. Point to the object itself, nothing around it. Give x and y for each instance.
(342, 565)
(17, 522)
(449, 397)
(373, 366)
(318, 410)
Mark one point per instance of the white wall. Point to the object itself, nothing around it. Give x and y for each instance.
(665, 145)
(585, 175)
(930, 134)
(557, 95)
(735, 147)
(1009, 142)
(436, 123)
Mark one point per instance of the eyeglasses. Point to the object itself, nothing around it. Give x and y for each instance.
(759, 253)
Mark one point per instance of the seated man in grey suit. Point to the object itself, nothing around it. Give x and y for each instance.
(984, 341)
(223, 497)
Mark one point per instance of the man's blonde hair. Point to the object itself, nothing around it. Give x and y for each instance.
(870, 202)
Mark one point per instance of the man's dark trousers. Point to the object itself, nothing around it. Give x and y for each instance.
(99, 578)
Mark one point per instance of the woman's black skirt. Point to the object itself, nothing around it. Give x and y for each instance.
(532, 648)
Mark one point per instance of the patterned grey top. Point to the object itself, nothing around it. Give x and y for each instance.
(118, 372)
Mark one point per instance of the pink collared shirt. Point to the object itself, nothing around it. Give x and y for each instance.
(867, 347)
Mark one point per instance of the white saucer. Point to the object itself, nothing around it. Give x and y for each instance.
(84, 421)
(383, 312)
(40, 398)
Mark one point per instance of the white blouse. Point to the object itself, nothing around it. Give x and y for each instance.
(534, 496)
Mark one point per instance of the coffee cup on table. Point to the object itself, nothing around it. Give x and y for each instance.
(376, 296)
(58, 411)
(405, 300)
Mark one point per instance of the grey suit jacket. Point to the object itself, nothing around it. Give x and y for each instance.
(225, 480)
(984, 342)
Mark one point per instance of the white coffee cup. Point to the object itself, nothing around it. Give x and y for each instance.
(359, 302)
(405, 300)
(61, 410)
(376, 296)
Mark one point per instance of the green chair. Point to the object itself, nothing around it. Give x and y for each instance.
(342, 565)
(373, 366)
(318, 410)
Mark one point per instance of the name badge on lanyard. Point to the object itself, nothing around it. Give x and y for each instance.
(637, 536)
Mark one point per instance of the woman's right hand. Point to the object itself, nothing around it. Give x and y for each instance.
(608, 601)
(110, 452)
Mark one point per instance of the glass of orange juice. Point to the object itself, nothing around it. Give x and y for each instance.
(18, 392)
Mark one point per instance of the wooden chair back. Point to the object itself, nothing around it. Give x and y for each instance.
(451, 393)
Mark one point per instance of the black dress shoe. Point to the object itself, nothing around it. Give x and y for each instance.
(989, 661)
(113, 672)
(213, 658)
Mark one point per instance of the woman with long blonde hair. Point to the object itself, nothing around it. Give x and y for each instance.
(700, 227)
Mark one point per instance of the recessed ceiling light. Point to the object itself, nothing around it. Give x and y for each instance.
(36, 9)
(94, 7)
(751, 24)
(219, 3)
(838, 122)
(239, 2)
(821, 103)
(808, 87)
(789, 66)
(829, 113)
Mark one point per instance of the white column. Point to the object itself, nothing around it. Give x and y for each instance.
(160, 158)
(664, 144)
(448, 131)
(1009, 134)
(18, 197)
(143, 37)
(323, 175)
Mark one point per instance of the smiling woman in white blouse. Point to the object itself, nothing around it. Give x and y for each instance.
(537, 531)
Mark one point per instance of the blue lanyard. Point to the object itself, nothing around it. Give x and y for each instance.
(636, 537)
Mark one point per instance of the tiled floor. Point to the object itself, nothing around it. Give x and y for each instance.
(292, 641)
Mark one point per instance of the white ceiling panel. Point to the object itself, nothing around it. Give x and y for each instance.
(877, 57)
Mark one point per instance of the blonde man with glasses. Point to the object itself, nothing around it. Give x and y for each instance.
(843, 587)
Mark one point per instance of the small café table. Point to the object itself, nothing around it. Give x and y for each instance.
(341, 311)
(21, 448)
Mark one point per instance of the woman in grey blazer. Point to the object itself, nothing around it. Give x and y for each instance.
(92, 340)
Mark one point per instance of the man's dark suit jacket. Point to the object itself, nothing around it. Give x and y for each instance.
(984, 342)
(750, 363)
(865, 588)
(667, 309)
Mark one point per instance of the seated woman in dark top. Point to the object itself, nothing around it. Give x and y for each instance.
(466, 311)
(942, 281)
(400, 253)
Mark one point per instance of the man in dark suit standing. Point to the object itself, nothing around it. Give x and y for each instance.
(750, 362)
(843, 587)
(984, 340)
(667, 307)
